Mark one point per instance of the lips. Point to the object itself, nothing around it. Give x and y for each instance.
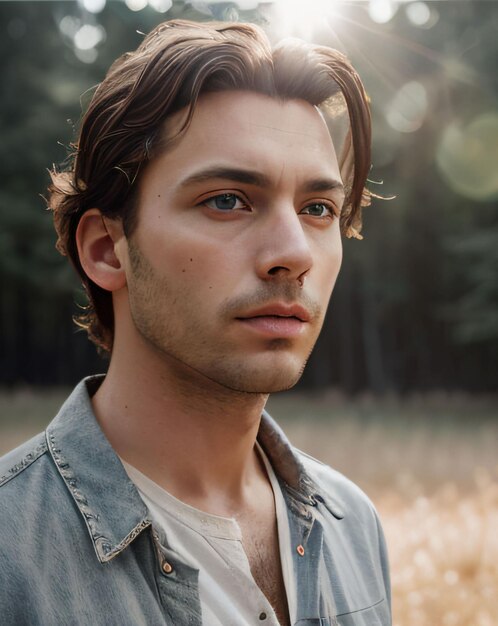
(277, 320)
(279, 310)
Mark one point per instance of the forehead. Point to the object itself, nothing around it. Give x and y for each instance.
(253, 130)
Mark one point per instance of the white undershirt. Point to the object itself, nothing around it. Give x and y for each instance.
(228, 593)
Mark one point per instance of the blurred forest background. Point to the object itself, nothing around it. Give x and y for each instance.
(415, 305)
(399, 394)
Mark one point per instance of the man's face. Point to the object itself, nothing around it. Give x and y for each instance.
(237, 246)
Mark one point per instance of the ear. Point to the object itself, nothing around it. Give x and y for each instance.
(100, 245)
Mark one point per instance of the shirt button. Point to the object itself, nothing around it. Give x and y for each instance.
(262, 616)
(167, 567)
(300, 550)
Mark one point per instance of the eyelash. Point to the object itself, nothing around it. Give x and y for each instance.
(326, 205)
(246, 206)
(226, 194)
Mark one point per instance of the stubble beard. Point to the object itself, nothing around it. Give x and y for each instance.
(150, 301)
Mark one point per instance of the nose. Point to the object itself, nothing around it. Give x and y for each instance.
(284, 252)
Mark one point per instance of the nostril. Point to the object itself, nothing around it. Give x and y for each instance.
(276, 269)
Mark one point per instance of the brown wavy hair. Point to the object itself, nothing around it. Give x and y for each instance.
(179, 60)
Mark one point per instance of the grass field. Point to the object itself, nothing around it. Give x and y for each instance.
(429, 463)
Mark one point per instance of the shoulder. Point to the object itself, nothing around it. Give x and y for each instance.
(22, 493)
(360, 522)
(31, 503)
(15, 462)
(343, 494)
(33, 498)
(29, 484)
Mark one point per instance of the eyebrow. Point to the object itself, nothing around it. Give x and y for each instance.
(323, 184)
(258, 179)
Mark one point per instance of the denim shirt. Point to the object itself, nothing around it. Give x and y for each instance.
(77, 545)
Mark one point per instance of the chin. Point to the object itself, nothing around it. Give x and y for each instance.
(264, 380)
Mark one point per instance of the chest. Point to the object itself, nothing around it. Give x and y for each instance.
(261, 545)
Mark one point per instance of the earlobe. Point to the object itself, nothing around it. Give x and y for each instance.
(98, 241)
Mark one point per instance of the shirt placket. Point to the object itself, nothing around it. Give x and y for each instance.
(178, 587)
(307, 543)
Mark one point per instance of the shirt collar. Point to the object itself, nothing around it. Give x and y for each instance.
(112, 509)
(108, 501)
(290, 470)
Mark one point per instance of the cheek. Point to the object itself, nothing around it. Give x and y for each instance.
(335, 267)
(336, 261)
(330, 261)
(191, 259)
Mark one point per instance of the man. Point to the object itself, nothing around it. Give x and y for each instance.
(203, 213)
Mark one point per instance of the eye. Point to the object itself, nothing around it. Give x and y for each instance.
(318, 209)
(225, 202)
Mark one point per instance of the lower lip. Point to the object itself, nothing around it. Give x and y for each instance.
(273, 326)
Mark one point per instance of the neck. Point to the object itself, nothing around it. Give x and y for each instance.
(189, 434)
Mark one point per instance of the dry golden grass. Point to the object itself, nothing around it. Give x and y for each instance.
(430, 465)
(444, 554)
